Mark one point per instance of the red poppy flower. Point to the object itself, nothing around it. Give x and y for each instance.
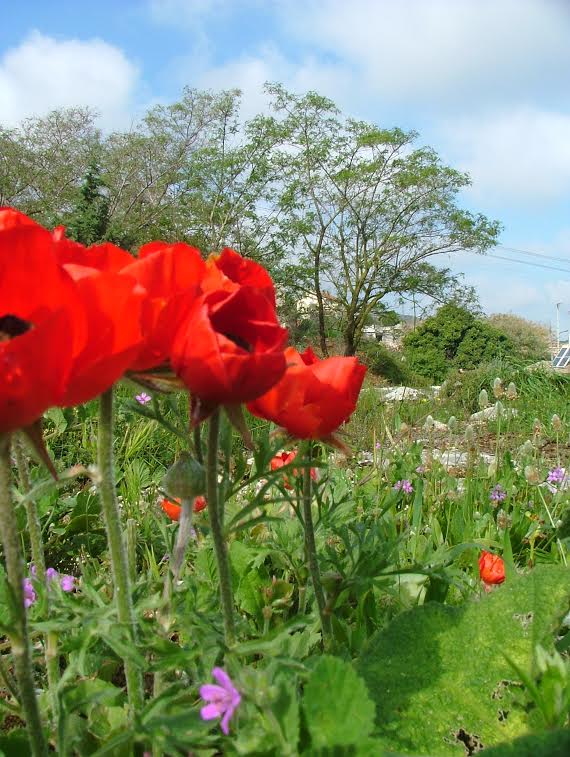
(42, 322)
(229, 349)
(285, 458)
(491, 568)
(112, 304)
(229, 270)
(104, 257)
(173, 510)
(171, 275)
(314, 397)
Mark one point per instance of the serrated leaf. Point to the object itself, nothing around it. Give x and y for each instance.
(338, 709)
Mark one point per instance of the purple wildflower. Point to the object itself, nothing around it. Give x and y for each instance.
(421, 469)
(67, 583)
(556, 475)
(404, 485)
(377, 445)
(143, 398)
(29, 593)
(498, 494)
(222, 700)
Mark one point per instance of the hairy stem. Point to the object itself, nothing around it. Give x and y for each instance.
(39, 562)
(214, 512)
(19, 639)
(117, 552)
(311, 549)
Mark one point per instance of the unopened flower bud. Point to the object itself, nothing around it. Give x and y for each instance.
(470, 434)
(498, 389)
(404, 428)
(185, 479)
(504, 521)
(512, 393)
(452, 424)
(527, 448)
(536, 427)
(483, 399)
(531, 474)
(492, 469)
(428, 425)
(556, 423)
(499, 409)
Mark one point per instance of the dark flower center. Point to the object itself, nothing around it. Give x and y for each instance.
(12, 326)
(239, 340)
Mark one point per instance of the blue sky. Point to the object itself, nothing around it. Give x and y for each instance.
(485, 82)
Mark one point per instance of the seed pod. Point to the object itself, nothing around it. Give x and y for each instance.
(428, 425)
(185, 479)
(531, 474)
(452, 424)
(498, 388)
(512, 393)
(470, 434)
(483, 399)
(499, 409)
(504, 521)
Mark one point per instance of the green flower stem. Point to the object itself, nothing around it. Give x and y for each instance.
(183, 537)
(19, 639)
(117, 552)
(311, 549)
(34, 525)
(214, 513)
(38, 559)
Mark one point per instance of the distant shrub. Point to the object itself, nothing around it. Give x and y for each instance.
(453, 338)
(531, 340)
(389, 365)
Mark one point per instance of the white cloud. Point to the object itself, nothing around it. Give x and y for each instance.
(443, 52)
(517, 158)
(43, 73)
(249, 73)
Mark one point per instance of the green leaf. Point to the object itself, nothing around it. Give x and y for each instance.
(15, 744)
(439, 675)
(337, 707)
(551, 744)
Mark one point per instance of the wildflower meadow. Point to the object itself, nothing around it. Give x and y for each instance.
(215, 543)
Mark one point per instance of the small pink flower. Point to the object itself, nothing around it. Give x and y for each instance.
(29, 593)
(222, 700)
(143, 398)
(67, 583)
(404, 485)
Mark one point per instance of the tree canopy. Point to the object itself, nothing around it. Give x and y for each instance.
(328, 203)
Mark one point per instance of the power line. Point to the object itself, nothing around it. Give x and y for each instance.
(543, 255)
(527, 262)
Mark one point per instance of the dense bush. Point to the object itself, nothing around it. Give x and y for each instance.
(453, 338)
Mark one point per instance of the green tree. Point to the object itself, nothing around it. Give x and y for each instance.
(88, 223)
(453, 337)
(44, 161)
(363, 208)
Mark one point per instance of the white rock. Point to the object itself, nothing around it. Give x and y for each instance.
(400, 393)
(490, 414)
